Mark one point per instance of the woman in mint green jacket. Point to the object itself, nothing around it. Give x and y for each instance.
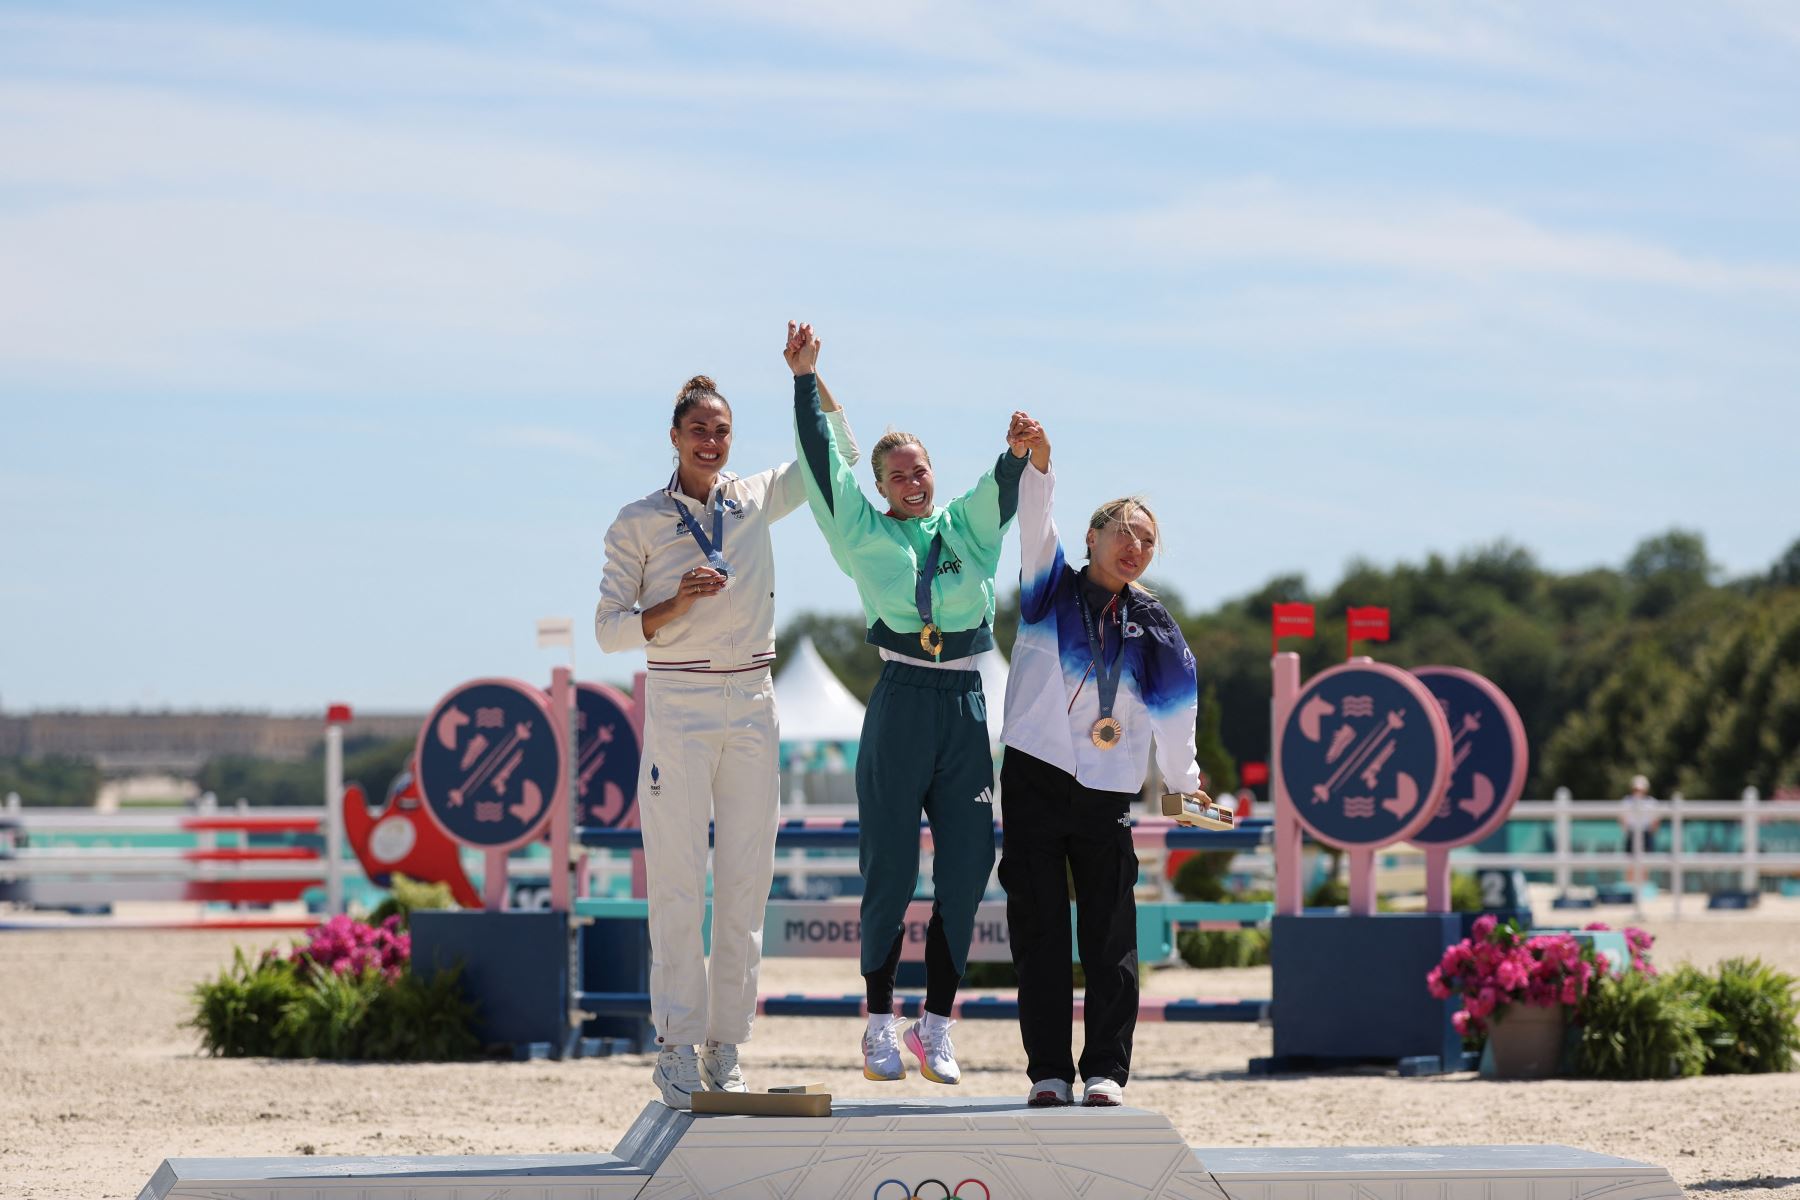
(925, 576)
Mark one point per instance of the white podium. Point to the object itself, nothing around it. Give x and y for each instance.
(975, 1149)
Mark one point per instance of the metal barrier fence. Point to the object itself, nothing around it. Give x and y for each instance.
(1589, 837)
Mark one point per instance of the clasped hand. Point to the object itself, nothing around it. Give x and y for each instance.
(1026, 436)
(802, 350)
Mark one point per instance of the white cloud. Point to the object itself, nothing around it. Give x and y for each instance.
(1261, 221)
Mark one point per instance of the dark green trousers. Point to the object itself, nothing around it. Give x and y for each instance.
(924, 752)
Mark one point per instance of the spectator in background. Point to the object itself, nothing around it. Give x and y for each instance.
(1639, 820)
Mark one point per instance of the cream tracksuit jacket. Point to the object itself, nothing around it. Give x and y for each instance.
(648, 550)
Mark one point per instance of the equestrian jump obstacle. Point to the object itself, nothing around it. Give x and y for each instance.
(62, 859)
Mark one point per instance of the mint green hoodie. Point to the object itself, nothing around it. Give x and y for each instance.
(884, 555)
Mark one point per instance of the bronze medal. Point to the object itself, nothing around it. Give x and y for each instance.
(931, 640)
(1107, 733)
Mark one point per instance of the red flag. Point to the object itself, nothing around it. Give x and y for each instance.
(1289, 620)
(1364, 625)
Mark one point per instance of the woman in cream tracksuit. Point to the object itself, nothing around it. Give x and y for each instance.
(690, 580)
(925, 576)
(1098, 667)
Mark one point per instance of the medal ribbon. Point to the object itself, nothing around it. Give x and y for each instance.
(1105, 681)
(711, 547)
(922, 590)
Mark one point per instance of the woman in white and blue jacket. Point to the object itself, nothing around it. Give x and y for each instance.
(1100, 671)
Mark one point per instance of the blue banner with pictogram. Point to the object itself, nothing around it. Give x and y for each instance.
(1364, 755)
(608, 753)
(1487, 757)
(489, 759)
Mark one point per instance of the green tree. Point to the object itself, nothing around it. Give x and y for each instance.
(52, 781)
(370, 762)
(1650, 666)
(1667, 569)
(1215, 760)
(842, 642)
(1786, 571)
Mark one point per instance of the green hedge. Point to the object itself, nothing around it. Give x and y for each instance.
(1742, 1019)
(1211, 948)
(282, 1008)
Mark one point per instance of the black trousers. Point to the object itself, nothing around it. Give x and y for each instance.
(1057, 830)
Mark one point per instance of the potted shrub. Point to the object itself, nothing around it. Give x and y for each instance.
(1519, 989)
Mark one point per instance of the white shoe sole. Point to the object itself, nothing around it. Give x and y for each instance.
(673, 1096)
(914, 1043)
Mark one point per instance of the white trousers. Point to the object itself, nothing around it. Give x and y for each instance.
(710, 754)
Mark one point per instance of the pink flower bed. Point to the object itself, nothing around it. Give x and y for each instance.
(344, 945)
(1497, 965)
(1639, 942)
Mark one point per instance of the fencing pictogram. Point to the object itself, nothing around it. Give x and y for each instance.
(1362, 755)
(488, 763)
(1488, 757)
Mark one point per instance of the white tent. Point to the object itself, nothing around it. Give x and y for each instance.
(813, 705)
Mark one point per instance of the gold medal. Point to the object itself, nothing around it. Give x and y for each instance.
(931, 639)
(1107, 733)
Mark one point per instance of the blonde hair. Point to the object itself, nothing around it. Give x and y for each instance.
(892, 440)
(1120, 510)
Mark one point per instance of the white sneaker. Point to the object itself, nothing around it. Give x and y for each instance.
(1049, 1093)
(929, 1040)
(678, 1076)
(719, 1067)
(1101, 1092)
(881, 1049)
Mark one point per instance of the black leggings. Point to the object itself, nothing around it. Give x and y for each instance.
(941, 977)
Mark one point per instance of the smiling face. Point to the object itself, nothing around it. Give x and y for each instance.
(1121, 541)
(903, 477)
(702, 437)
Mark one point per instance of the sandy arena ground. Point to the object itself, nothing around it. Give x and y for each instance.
(99, 1079)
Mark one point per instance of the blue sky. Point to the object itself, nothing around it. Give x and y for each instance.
(333, 336)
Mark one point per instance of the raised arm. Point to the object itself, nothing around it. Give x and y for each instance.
(843, 512)
(1040, 549)
(787, 489)
(986, 509)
